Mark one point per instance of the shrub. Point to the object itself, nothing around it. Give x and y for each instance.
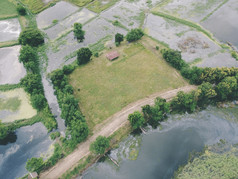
(100, 145)
(118, 39)
(54, 135)
(3, 130)
(134, 34)
(38, 101)
(32, 37)
(32, 83)
(21, 10)
(136, 120)
(84, 55)
(78, 32)
(34, 164)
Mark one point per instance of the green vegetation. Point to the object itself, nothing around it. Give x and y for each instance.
(118, 39)
(11, 104)
(84, 55)
(136, 120)
(9, 43)
(21, 10)
(100, 82)
(37, 6)
(100, 145)
(78, 32)
(7, 9)
(8, 87)
(212, 164)
(134, 35)
(98, 6)
(32, 37)
(34, 164)
(185, 22)
(118, 24)
(54, 135)
(234, 54)
(80, 3)
(3, 130)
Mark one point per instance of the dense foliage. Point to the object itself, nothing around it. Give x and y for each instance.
(32, 37)
(118, 39)
(136, 120)
(21, 10)
(34, 164)
(100, 145)
(134, 35)
(157, 113)
(28, 55)
(78, 32)
(3, 130)
(84, 55)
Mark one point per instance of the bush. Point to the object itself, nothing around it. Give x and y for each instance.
(3, 130)
(78, 130)
(78, 32)
(54, 135)
(174, 58)
(136, 120)
(38, 101)
(100, 145)
(34, 164)
(84, 55)
(21, 10)
(134, 34)
(67, 69)
(32, 83)
(118, 39)
(32, 37)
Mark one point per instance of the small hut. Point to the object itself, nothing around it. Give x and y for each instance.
(112, 55)
(32, 175)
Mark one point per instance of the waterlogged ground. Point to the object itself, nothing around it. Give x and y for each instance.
(28, 142)
(15, 105)
(161, 151)
(11, 70)
(9, 30)
(223, 23)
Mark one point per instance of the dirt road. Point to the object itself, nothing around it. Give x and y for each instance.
(111, 125)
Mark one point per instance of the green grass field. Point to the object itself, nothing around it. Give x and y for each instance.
(106, 87)
(11, 104)
(80, 3)
(100, 5)
(7, 9)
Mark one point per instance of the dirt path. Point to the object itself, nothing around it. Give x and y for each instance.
(112, 124)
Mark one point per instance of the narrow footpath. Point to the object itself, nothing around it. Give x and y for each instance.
(111, 125)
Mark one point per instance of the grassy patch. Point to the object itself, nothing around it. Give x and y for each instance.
(11, 104)
(7, 9)
(80, 3)
(98, 6)
(36, 6)
(23, 108)
(9, 43)
(106, 87)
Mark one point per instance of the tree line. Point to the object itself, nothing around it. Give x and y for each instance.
(215, 85)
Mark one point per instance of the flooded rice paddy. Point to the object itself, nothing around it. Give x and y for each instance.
(11, 70)
(161, 151)
(9, 30)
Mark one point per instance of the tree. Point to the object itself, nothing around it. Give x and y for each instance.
(32, 37)
(78, 32)
(134, 34)
(38, 101)
(32, 83)
(100, 145)
(3, 130)
(83, 55)
(21, 10)
(227, 88)
(78, 130)
(34, 164)
(119, 38)
(155, 114)
(136, 120)
(205, 93)
(29, 58)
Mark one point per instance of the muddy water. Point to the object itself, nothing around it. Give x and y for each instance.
(28, 142)
(161, 151)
